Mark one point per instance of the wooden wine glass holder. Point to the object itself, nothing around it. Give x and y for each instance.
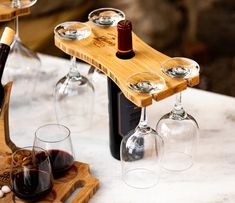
(7, 14)
(78, 177)
(99, 50)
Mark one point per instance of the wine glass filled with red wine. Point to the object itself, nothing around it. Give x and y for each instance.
(55, 138)
(31, 173)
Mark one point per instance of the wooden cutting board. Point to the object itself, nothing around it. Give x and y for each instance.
(77, 177)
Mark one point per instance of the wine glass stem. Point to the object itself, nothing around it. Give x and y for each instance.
(143, 118)
(178, 108)
(16, 22)
(74, 68)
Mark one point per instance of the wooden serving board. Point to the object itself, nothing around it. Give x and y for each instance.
(77, 177)
(7, 14)
(99, 50)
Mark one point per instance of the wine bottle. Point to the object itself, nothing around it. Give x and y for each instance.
(5, 42)
(124, 116)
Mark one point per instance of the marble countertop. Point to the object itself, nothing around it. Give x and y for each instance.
(210, 180)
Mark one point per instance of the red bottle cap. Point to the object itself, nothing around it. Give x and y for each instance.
(124, 29)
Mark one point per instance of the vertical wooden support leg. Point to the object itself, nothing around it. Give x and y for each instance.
(6, 145)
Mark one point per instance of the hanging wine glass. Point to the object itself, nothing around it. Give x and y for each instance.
(22, 68)
(178, 129)
(23, 64)
(141, 149)
(74, 93)
(104, 17)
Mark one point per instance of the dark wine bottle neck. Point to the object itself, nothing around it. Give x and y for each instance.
(4, 51)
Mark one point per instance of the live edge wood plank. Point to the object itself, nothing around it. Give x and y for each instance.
(99, 50)
(7, 14)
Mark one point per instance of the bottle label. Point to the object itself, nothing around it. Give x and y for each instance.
(128, 115)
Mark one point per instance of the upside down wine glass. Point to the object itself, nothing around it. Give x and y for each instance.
(104, 17)
(141, 149)
(178, 129)
(23, 63)
(74, 93)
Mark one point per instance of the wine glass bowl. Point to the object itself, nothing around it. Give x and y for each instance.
(180, 135)
(71, 93)
(145, 82)
(99, 80)
(180, 67)
(31, 174)
(106, 16)
(23, 73)
(56, 140)
(141, 152)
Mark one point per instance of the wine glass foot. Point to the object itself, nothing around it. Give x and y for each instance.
(180, 67)
(178, 72)
(140, 178)
(176, 161)
(106, 16)
(146, 83)
(72, 30)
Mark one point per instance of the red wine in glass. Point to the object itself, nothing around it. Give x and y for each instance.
(33, 186)
(31, 173)
(56, 139)
(61, 162)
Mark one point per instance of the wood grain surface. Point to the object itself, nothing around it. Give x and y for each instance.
(7, 14)
(99, 50)
(77, 177)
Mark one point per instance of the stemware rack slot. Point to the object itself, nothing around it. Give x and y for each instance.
(99, 50)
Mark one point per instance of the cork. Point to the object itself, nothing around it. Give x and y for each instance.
(7, 36)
